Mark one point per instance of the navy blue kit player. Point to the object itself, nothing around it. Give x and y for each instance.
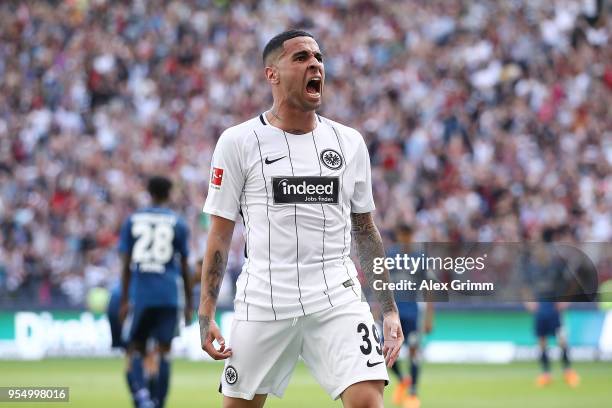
(413, 326)
(546, 279)
(151, 361)
(154, 249)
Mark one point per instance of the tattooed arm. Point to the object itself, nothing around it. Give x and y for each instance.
(213, 269)
(369, 246)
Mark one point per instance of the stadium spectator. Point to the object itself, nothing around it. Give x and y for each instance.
(485, 120)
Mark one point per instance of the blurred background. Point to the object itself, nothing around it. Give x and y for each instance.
(486, 122)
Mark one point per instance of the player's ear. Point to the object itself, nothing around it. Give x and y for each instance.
(272, 74)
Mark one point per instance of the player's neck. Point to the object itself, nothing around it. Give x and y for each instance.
(156, 203)
(292, 120)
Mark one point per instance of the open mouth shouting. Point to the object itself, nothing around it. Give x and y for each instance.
(314, 86)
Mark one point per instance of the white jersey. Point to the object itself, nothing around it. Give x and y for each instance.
(295, 194)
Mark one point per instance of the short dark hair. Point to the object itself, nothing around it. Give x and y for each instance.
(278, 40)
(159, 187)
(548, 234)
(404, 229)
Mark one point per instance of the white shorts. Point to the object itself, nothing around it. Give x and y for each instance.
(340, 346)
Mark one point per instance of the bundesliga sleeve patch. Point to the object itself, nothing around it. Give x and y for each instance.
(217, 177)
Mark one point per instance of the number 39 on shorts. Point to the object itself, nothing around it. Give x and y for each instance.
(366, 346)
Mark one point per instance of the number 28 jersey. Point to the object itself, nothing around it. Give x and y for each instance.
(155, 237)
(295, 194)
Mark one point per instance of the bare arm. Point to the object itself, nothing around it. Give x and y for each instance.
(197, 276)
(213, 269)
(429, 312)
(429, 316)
(187, 289)
(528, 300)
(369, 246)
(126, 275)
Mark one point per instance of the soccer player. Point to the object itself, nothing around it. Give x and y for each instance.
(405, 393)
(150, 362)
(301, 183)
(153, 245)
(546, 279)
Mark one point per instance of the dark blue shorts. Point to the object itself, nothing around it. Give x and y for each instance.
(159, 323)
(547, 325)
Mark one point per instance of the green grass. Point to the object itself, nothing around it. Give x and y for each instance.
(100, 383)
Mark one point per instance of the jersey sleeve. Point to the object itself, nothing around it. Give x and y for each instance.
(362, 200)
(226, 179)
(125, 237)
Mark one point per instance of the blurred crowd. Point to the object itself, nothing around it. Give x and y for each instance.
(486, 120)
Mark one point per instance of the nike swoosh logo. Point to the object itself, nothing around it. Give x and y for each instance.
(373, 364)
(275, 160)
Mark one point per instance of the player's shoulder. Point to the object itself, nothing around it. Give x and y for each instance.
(242, 131)
(129, 218)
(143, 211)
(345, 131)
(153, 214)
(172, 214)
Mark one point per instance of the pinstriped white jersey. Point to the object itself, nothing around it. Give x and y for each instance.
(295, 194)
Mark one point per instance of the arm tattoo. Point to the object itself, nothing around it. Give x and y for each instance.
(204, 327)
(369, 246)
(211, 283)
(213, 269)
(214, 275)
